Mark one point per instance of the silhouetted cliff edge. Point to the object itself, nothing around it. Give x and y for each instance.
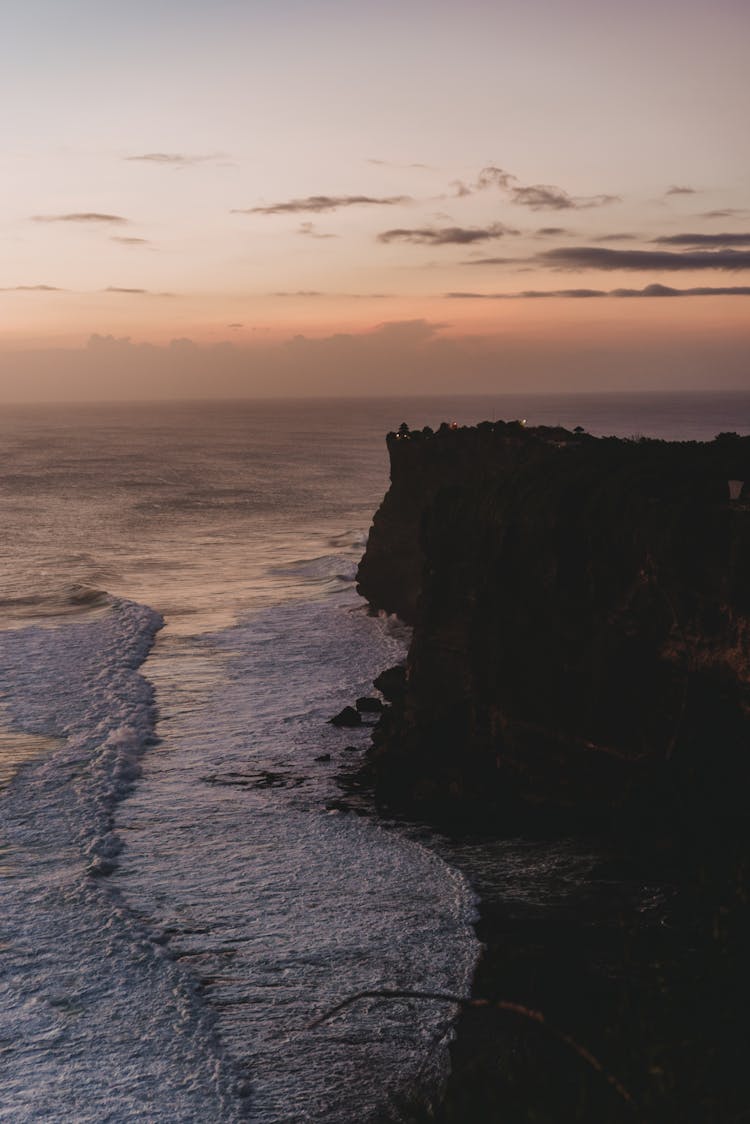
(581, 613)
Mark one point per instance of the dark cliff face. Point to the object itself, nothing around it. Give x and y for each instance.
(581, 613)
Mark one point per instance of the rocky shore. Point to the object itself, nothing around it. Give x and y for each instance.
(580, 669)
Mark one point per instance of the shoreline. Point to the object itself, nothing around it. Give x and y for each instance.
(635, 957)
(578, 675)
(651, 982)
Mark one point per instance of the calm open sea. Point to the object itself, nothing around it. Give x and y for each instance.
(178, 895)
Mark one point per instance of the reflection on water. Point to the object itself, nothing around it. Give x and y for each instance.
(17, 747)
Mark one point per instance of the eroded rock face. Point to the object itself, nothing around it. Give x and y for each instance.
(581, 613)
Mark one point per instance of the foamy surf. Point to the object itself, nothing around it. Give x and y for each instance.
(97, 1022)
(174, 979)
(281, 906)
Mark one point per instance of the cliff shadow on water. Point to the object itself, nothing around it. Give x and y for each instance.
(580, 668)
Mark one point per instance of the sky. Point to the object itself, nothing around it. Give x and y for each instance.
(247, 197)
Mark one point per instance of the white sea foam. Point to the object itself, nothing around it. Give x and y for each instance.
(97, 1023)
(179, 987)
(282, 909)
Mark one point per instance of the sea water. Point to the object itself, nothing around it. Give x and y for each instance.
(181, 892)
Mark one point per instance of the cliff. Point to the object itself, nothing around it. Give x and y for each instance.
(581, 626)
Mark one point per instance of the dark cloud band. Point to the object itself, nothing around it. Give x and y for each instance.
(446, 235)
(601, 258)
(716, 240)
(598, 257)
(648, 291)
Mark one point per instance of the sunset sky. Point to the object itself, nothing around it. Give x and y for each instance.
(340, 196)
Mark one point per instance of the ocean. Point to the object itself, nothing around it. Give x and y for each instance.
(181, 890)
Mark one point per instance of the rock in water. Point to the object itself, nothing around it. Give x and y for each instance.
(391, 683)
(368, 704)
(347, 717)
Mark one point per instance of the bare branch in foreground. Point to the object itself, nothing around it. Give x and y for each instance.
(499, 1005)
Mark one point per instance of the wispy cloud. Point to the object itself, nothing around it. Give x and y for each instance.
(317, 204)
(176, 159)
(82, 216)
(527, 293)
(675, 189)
(134, 291)
(648, 291)
(392, 164)
(129, 241)
(32, 289)
(535, 196)
(335, 296)
(617, 238)
(543, 197)
(446, 235)
(726, 239)
(310, 231)
(496, 261)
(725, 213)
(300, 293)
(492, 176)
(552, 231)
